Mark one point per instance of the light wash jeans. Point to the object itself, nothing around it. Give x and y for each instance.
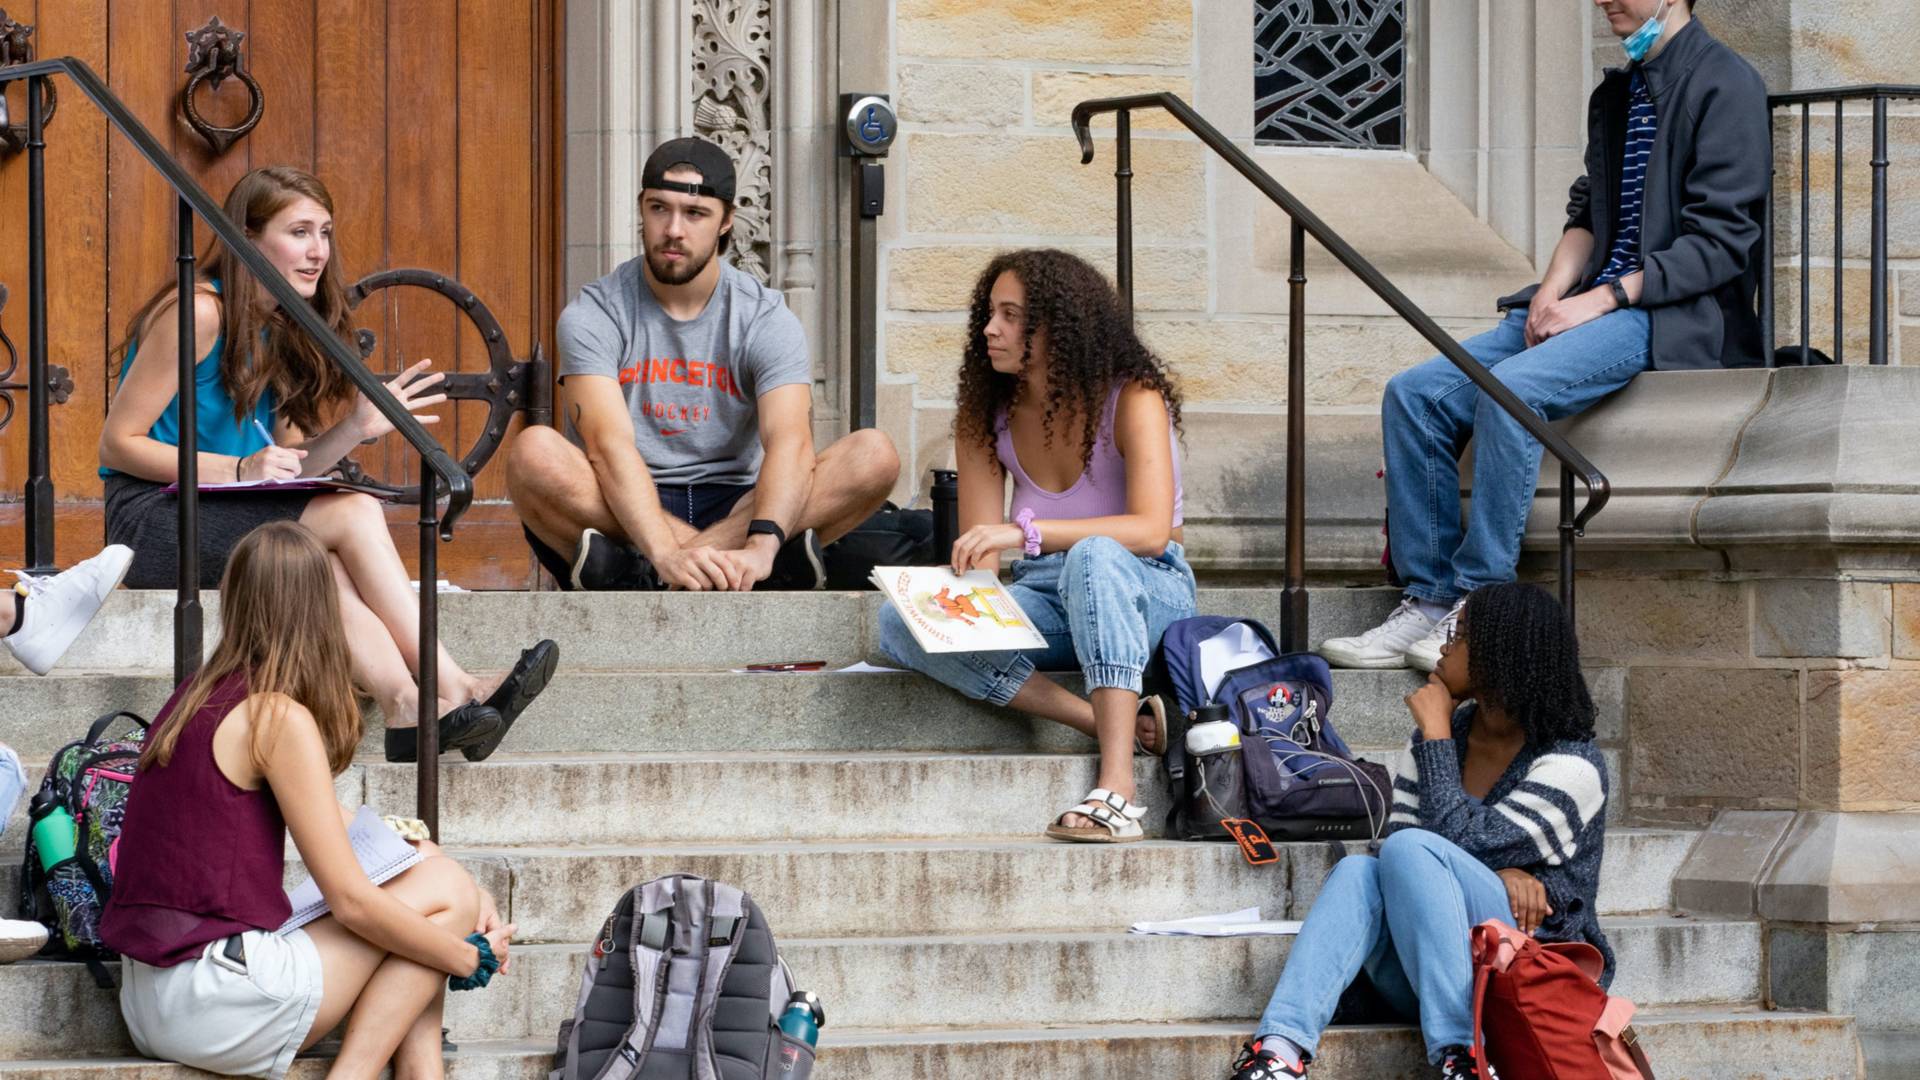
(1101, 608)
(1430, 411)
(1403, 918)
(13, 783)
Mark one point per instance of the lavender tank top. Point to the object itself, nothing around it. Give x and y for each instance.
(1101, 490)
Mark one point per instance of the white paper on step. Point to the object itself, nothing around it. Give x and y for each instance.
(1243, 923)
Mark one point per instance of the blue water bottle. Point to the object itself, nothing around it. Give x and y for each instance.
(803, 1018)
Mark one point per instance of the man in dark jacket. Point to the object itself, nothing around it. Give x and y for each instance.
(1658, 268)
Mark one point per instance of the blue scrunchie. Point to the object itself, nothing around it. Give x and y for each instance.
(482, 974)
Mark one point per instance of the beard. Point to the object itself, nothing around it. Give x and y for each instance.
(686, 270)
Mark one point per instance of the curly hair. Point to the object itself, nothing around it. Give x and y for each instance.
(1524, 659)
(1090, 347)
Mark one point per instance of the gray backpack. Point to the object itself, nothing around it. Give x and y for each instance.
(684, 983)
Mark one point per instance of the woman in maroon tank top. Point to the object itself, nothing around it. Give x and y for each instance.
(244, 753)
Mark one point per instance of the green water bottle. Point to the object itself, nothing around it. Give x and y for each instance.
(55, 835)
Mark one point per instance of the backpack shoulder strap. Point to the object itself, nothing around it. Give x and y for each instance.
(101, 725)
(726, 926)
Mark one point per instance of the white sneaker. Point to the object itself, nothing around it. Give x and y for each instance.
(1384, 646)
(59, 607)
(20, 939)
(1424, 655)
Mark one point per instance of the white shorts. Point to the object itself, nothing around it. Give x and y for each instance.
(225, 1015)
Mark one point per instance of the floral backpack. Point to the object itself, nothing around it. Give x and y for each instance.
(90, 779)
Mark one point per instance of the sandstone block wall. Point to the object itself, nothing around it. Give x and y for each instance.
(1761, 694)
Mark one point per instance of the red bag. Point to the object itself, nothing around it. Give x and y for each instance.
(1539, 1012)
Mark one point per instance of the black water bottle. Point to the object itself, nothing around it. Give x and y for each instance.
(946, 514)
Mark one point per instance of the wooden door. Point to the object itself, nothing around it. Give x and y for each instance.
(432, 122)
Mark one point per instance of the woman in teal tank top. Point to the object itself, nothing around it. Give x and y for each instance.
(269, 405)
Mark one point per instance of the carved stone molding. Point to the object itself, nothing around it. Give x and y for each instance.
(732, 83)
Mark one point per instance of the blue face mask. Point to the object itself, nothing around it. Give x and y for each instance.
(1641, 42)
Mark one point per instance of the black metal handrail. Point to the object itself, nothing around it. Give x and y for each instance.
(194, 201)
(1293, 612)
(1879, 329)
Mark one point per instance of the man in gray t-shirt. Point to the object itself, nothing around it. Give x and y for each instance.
(687, 387)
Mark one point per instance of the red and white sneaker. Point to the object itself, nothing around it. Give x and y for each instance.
(1258, 1063)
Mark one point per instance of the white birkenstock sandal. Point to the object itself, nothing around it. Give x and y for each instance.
(1116, 821)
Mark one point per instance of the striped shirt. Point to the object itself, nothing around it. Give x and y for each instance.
(1624, 259)
(1545, 815)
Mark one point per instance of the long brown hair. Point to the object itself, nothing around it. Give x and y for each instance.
(1091, 346)
(280, 628)
(309, 389)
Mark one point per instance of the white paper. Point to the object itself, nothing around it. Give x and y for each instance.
(382, 855)
(861, 668)
(1243, 923)
(950, 612)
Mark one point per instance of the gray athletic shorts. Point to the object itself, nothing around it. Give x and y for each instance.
(237, 1017)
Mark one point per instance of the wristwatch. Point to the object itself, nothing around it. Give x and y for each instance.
(1619, 292)
(759, 526)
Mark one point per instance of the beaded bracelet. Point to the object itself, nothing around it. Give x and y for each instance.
(482, 974)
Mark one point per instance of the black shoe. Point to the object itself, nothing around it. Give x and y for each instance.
(524, 683)
(1456, 1063)
(1255, 1063)
(468, 725)
(799, 565)
(604, 564)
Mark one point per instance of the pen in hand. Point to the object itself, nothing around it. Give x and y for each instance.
(271, 445)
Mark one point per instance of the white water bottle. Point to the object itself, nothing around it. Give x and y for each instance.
(1211, 731)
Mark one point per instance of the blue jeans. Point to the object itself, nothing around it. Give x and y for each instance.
(13, 783)
(1403, 918)
(1101, 608)
(1430, 411)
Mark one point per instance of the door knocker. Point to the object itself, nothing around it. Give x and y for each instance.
(17, 48)
(213, 56)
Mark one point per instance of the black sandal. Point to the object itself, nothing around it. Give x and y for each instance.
(529, 676)
(460, 729)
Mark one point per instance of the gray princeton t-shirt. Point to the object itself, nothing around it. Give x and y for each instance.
(692, 386)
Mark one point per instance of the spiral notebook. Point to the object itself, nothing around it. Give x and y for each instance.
(382, 854)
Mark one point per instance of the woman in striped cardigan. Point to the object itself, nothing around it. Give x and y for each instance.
(1499, 811)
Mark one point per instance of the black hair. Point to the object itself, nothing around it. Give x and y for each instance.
(1524, 659)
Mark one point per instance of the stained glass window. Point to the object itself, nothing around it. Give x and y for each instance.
(1330, 73)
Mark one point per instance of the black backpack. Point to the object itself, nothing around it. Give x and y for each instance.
(891, 537)
(684, 983)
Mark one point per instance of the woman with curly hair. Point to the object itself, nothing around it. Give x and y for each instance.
(1498, 813)
(1060, 398)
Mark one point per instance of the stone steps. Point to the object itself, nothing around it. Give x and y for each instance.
(611, 799)
(1027, 884)
(955, 981)
(1684, 1044)
(649, 631)
(717, 711)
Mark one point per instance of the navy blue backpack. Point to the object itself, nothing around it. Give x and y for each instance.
(1292, 773)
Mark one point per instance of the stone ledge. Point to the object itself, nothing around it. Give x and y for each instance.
(1820, 867)
(1792, 470)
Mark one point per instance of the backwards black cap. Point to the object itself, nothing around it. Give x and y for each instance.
(713, 164)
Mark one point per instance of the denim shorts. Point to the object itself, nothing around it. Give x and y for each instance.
(241, 1015)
